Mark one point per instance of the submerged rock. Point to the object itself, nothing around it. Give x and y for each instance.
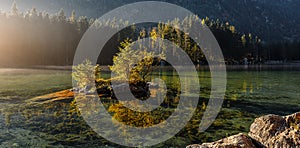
(66, 96)
(15, 145)
(236, 141)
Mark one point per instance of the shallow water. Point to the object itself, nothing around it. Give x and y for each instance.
(249, 94)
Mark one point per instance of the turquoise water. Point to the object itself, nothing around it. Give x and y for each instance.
(249, 94)
(265, 91)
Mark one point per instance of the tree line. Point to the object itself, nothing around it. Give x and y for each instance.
(40, 38)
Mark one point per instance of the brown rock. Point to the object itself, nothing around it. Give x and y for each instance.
(287, 139)
(275, 131)
(236, 141)
(195, 146)
(266, 127)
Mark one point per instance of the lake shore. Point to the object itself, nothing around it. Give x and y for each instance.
(261, 67)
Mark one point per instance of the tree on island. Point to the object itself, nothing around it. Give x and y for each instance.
(85, 74)
(132, 65)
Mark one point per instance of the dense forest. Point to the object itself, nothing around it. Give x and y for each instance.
(39, 38)
(272, 20)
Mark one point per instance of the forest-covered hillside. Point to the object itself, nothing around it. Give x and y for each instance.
(272, 20)
(38, 37)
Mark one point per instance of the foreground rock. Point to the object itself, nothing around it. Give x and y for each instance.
(236, 141)
(276, 131)
(271, 131)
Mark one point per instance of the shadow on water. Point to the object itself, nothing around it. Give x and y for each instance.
(263, 108)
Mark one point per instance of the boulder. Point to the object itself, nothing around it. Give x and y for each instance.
(271, 131)
(236, 141)
(276, 131)
(266, 127)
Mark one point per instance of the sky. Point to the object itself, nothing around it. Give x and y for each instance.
(53, 6)
(24, 5)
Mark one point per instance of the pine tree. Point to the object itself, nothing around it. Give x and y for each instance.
(83, 24)
(133, 65)
(73, 17)
(243, 39)
(14, 9)
(61, 15)
(84, 74)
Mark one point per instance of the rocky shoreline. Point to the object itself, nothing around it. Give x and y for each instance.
(270, 131)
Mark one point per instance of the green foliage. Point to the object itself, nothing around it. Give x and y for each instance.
(85, 73)
(133, 65)
(143, 69)
(130, 117)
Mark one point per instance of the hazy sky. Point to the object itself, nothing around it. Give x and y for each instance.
(24, 5)
(82, 7)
